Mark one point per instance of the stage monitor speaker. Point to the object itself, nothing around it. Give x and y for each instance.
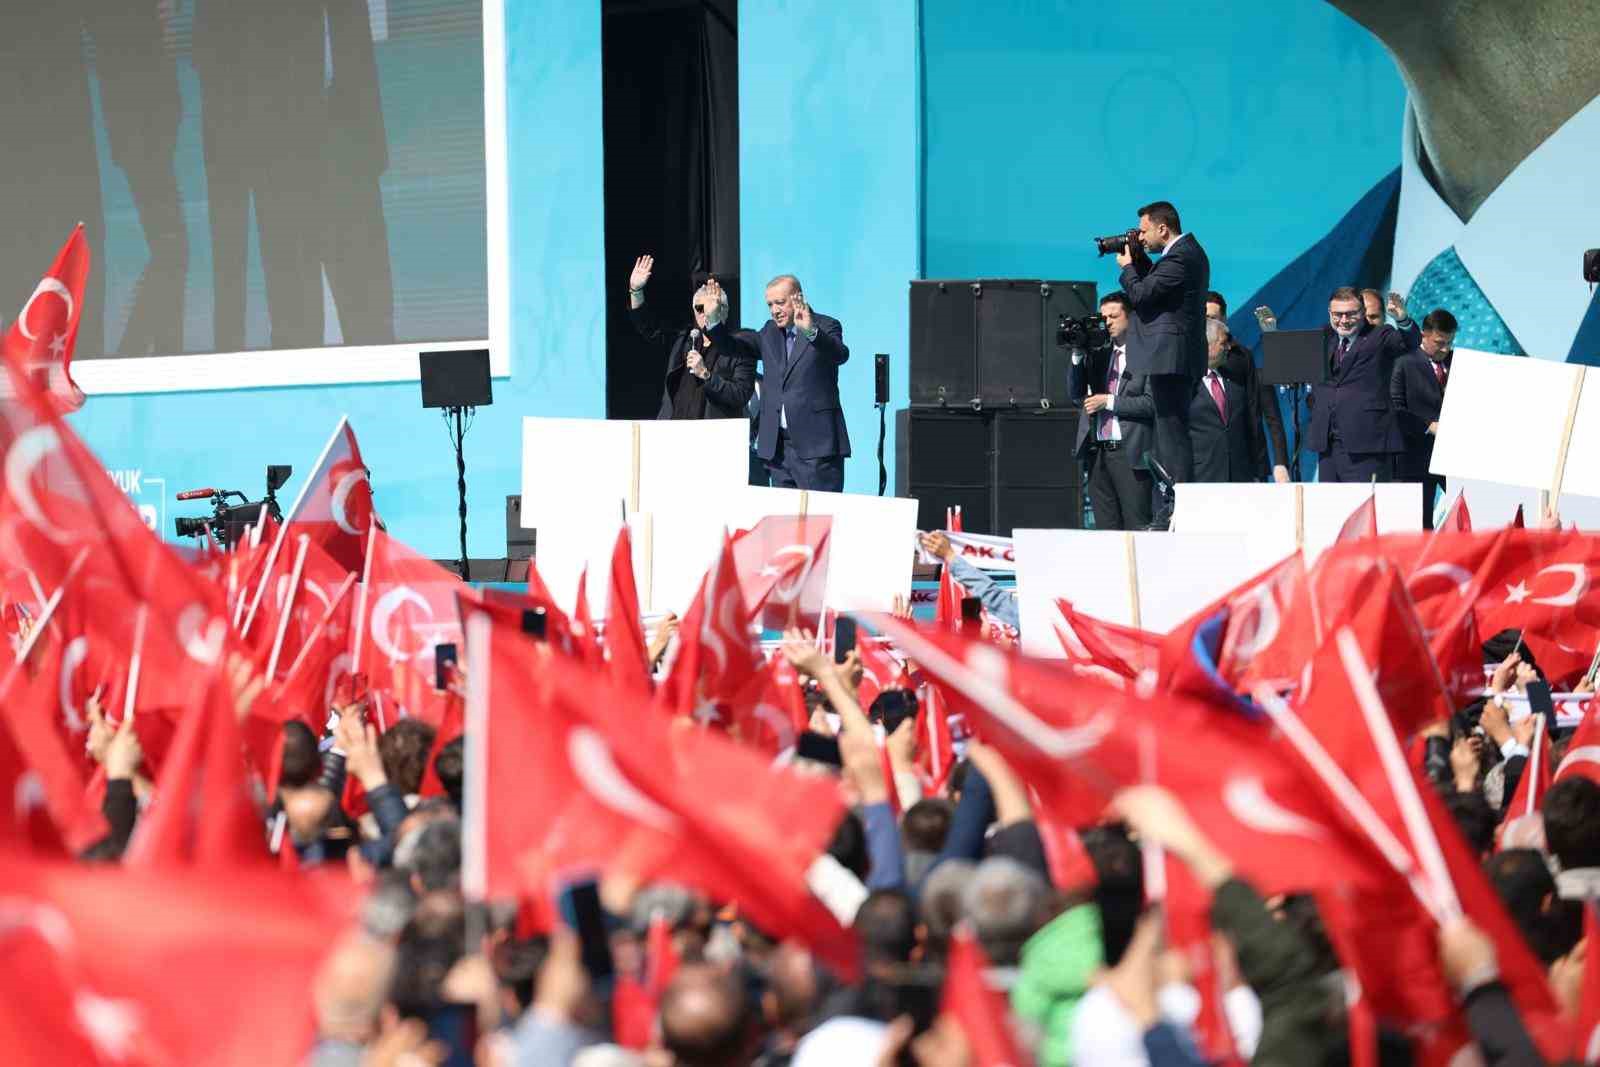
(942, 459)
(943, 351)
(456, 379)
(1009, 342)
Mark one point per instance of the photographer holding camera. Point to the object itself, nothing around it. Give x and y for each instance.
(1115, 429)
(1166, 334)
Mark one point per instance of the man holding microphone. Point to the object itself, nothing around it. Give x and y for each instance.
(709, 376)
(1167, 334)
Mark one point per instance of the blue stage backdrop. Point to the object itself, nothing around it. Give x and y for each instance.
(157, 445)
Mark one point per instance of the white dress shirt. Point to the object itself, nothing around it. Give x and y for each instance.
(1524, 244)
(1110, 429)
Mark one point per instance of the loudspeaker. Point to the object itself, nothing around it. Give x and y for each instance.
(457, 379)
(519, 540)
(1037, 478)
(942, 459)
(1009, 338)
(943, 343)
(992, 341)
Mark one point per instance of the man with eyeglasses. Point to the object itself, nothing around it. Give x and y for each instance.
(709, 375)
(1353, 428)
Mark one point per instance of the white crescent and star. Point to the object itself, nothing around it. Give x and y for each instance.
(53, 286)
(1267, 619)
(1457, 574)
(340, 497)
(202, 638)
(72, 658)
(1247, 800)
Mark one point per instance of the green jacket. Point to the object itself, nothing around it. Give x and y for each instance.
(1279, 967)
(1058, 962)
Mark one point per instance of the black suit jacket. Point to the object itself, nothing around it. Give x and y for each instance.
(1266, 418)
(733, 366)
(805, 387)
(1355, 397)
(1222, 451)
(1135, 407)
(1416, 397)
(1167, 331)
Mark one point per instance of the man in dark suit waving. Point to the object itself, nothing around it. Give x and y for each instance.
(1416, 393)
(1353, 429)
(1167, 337)
(802, 437)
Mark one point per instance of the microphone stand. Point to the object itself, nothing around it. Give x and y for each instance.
(458, 436)
(883, 471)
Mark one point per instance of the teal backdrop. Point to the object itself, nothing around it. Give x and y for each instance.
(879, 142)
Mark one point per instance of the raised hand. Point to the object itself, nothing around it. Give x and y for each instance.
(937, 544)
(641, 272)
(801, 312)
(123, 754)
(1397, 307)
(716, 310)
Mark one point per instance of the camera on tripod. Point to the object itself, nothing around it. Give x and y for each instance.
(229, 524)
(1117, 243)
(1087, 333)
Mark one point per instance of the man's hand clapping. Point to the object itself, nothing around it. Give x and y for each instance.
(1095, 402)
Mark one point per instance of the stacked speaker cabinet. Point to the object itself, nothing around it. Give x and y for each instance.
(990, 425)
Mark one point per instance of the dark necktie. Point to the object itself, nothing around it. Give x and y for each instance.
(1439, 373)
(1339, 353)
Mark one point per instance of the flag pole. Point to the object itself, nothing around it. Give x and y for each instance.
(49, 608)
(134, 662)
(322, 624)
(288, 606)
(288, 519)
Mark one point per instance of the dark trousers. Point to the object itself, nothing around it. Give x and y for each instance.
(1338, 465)
(1170, 444)
(1430, 483)
(1119, 494)
(790, 470)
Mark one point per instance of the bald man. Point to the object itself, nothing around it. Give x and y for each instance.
(706, 1019)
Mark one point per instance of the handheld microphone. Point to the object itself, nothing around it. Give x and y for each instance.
(694, 338)
(196, 494)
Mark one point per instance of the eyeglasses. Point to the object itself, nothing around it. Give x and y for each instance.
(699, 307)
(1344, 314)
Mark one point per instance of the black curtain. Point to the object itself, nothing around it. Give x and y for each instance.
(671, 82)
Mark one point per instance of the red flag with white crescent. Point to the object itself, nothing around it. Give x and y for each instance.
(41, 339)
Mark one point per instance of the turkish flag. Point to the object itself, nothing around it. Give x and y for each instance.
(1125, 651)
(782, 563)
(1537, 777)
(765, 714)
(935, 747)
(1393, 641)
(580, 777)
(53, 774)
(1543, 585)
(41, 340)
(87, 985)
(626, 649)
(1458, 519)
(976, 1005)
(1187, 909)
(1586, 1035)
(716, 653)
(1271, 631)
(204, 811)
(947, 609)
(879, 669)
(335, 501)
(1583, 749)
(586, 642)
(300, 595)
(408, 607)
(1362, 523)
(1077, 741)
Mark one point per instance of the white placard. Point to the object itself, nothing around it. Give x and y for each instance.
(1582, 473)
(1177, 574)
(870, 544)
(572, 466)
(586, 539)
(1503, 419)
(1266, 512)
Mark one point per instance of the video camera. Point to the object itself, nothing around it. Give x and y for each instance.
(1117, 243)
(230, 523)
(1088, 333)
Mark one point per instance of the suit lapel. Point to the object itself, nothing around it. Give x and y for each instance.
(801, 347)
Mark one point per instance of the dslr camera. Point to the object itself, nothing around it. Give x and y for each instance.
(1116, 243)
(1088, 333)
